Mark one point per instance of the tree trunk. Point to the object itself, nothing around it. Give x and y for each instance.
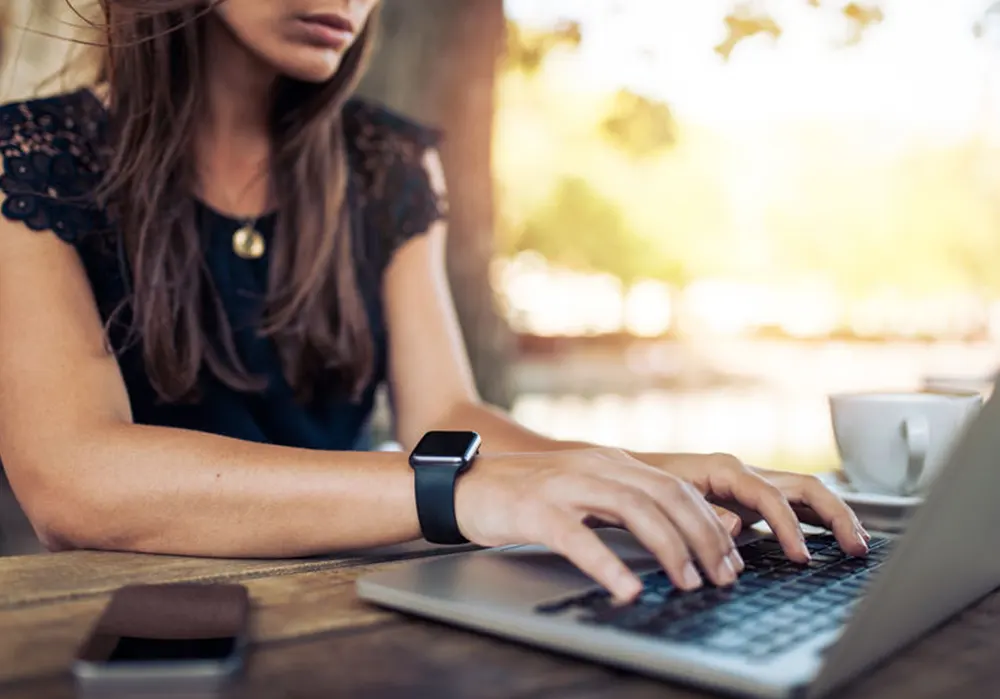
(437, 63)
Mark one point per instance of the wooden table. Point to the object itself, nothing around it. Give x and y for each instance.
(314, 638)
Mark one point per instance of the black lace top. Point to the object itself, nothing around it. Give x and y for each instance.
(53, 150)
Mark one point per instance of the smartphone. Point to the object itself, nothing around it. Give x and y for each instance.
(183, 639)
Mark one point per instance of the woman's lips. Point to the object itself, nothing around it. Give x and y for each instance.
(326, 31)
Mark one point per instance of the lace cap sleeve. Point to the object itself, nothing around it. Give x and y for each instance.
(50, 167)
(399, 195)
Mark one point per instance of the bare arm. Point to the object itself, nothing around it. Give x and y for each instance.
(431, 380)
(88, 477)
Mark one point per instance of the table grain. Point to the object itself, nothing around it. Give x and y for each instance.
(313, 637)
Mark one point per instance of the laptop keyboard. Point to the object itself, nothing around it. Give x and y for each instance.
(774, 606)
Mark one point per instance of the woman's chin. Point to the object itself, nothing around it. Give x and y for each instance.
(318, 68)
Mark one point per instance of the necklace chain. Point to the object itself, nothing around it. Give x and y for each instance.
(248, 242)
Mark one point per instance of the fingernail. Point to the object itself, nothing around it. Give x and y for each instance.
(737, 561)
(727, 573)
(861, 540)
(804, 550)
(691, 577)
(864, 534)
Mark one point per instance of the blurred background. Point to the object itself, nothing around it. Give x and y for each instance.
(677, 225)
(700, 218)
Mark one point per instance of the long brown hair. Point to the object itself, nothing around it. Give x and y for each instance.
(314, 311)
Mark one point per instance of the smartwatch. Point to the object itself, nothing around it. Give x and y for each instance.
(437, 462)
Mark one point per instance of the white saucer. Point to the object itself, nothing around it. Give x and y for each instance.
(876, 511)
(836, 482)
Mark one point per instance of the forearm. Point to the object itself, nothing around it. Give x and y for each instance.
(175, 491)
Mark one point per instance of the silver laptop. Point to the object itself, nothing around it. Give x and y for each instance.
(783, 630)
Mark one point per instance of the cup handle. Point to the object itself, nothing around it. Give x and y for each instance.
(917, 434)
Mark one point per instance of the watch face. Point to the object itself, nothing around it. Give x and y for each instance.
(447, 446)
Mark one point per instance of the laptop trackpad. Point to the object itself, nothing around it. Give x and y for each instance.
(620, 541)
(521, 576)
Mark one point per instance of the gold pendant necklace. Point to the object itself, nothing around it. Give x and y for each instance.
(248, 243)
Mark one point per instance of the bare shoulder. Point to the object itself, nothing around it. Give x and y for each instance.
(31, 259)
(398, 169)
(45, 299)
(51, 170)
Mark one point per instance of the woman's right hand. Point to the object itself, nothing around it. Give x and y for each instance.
(548, 498)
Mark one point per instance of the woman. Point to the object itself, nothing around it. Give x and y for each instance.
(210, 261)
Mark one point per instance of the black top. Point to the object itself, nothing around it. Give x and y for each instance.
(53, 150)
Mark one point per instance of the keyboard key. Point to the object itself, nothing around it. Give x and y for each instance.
(825, 558)
(810, 604)
(726, 641)
(714, 595)
(774, 606)
(729, 616)
(825, 624)
(853, 585)
(632, 618)
(780, 575)
(804, 586)
(690, 631)
(652, 597)
(670, 613)
(852, 564)
(837, 595)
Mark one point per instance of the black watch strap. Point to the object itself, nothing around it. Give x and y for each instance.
(435, 493)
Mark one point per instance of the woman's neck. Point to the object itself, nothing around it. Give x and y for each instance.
(239, 86)
(233, 145)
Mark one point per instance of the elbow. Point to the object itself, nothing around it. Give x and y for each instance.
(70, 519)
(55, 532)
(68, 510)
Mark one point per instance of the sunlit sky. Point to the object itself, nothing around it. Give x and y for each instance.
(921, 70)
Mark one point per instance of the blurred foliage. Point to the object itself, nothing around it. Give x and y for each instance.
(748, 20)
(611, 182)
(640, 126)
(580, 228)
(636, 124)
(919, 224)
(744, 23)
(862, 18)
(528, 48)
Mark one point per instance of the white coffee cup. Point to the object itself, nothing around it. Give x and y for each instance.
(897, 443)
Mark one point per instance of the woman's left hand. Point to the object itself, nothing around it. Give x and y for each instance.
(780, 498)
